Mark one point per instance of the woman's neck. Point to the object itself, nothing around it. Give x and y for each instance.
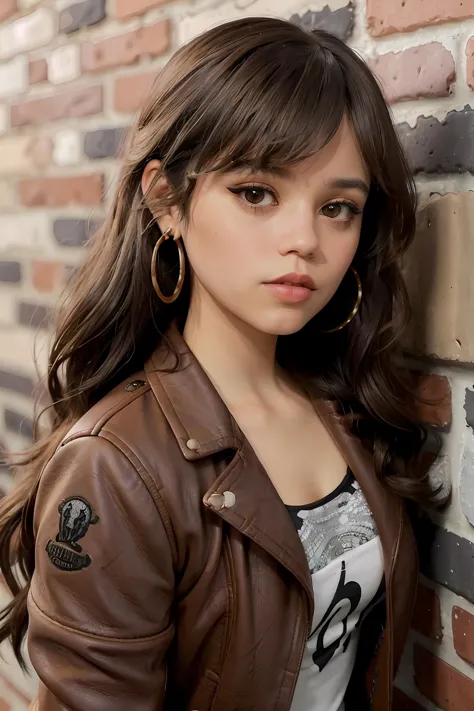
(238, 359)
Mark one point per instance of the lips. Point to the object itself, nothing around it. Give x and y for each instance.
(295, 280)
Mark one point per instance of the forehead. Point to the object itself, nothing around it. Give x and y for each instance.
(341, 157)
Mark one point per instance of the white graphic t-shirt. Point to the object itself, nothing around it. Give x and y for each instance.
(346, 563)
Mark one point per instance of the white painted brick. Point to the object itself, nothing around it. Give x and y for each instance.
(196, 20)
(25, 346)
(67, 147)
(64, 64)
(14, 155)
(14, 78)
(8, 195)
(22, 154)
(34, 30)
(4, 119)
(28, 4)
(7, 309)
(25, 232)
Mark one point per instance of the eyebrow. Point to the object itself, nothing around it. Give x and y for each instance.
(282, 172)
(355, 183)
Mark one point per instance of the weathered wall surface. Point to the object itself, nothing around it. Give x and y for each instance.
(71, 78)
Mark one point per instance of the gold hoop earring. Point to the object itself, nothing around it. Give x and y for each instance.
(354, 309)
(182, 267)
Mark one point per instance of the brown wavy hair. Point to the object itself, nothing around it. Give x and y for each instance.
(265, 93)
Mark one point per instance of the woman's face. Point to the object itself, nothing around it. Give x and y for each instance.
(300, 227)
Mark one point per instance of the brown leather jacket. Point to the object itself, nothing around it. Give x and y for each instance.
(169, 574)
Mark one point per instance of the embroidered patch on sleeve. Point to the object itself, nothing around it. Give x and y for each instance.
(75, 517)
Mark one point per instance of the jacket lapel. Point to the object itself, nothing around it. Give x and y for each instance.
(203, 426)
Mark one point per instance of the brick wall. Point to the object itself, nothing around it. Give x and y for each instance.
(71, 77)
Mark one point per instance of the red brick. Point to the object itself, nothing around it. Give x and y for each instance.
(423, 71)
(131, 90)
(434, 407)
(402, 702)
(7, 9)
(77, 103)
(427, 614)
(126, 48)
(442, 683)
(56, 192)
(46, 276)
(385, 17)
(38, 71)
(470, 63)
(129, 8)
(463, 633)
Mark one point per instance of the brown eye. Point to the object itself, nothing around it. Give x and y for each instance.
(334, 209)
(340, 211)
(254, 196)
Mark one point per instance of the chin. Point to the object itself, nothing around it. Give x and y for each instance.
(284, 323)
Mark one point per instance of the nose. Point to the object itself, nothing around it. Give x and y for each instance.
(300, 237)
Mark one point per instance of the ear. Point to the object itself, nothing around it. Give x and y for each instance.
(154, 188)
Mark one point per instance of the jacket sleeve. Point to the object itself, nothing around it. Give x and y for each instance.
(101, 595)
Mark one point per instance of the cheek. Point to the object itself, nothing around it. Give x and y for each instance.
(339, 250)
(214, 243)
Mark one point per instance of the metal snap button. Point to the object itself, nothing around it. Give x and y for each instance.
(222, 501)
(134, 385)
(192, 444)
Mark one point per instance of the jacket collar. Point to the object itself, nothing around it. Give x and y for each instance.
(191, 404)
(203, 426)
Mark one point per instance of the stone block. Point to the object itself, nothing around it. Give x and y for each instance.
(75, 103)
(24, 232)
(104, 143)
(10, 272)
(64, 64)
(444, 685)
(425, 71)
(67, 148)
(466, 485)
(131, 90)
(71, 232)
(34, 316)
(57, 192)
(445, 146)
(14, 77)
(385, 18)
(29, 32)
(437, 269)
(23, 154)
(128, 8)
(81, 14)
(339, 22)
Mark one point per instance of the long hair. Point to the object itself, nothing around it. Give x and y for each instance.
(260, 92)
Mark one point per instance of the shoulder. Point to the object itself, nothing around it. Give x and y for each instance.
(117, 411)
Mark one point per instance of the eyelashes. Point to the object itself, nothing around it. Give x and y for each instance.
(340, 211)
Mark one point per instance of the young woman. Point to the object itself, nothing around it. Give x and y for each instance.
(216, 518)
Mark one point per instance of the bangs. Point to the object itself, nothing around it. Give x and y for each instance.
(280, 104)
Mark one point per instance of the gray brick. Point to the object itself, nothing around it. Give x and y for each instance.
(445, 146)
(338, 22)
(466, 485)
(10, 272)
(16, 383)
(71, 232)
(446, 558)
(104, 143)
(82, 14)
(469, 407)
(18, 423)
(34, 315)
